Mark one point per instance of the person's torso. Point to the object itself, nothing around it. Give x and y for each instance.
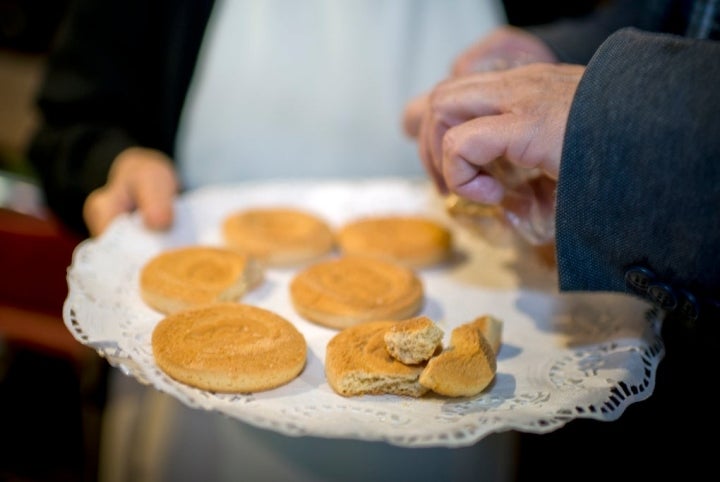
(316, 88)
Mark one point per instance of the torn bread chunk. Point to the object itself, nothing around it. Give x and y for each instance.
(491, 328)
(464, 369)
(414, 340)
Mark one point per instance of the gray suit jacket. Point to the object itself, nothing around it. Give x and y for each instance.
(638, 199)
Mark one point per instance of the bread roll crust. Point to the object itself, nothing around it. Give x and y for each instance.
(348, 290)
(491, 328)
(189, 276)
(415, 241)
(280, 236)
(229, 347)
(464, 369)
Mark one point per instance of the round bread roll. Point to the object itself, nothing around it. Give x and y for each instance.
(188, 276)
(414, 340)
(357, 363)
(415, 241)
(280, 236)
(348, 290)
(466, 368)
(229, 347)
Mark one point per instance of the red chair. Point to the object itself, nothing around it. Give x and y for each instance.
(34, 255)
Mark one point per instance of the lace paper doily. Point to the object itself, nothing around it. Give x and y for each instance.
(564, 356)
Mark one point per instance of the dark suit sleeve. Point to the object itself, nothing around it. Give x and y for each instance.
(116, 77)
(639, 183)
(575, 40)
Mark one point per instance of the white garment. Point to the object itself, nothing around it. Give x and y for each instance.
(286, 89)
(316, 88)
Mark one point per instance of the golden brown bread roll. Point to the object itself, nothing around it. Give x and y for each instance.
(229, 347)
(280, 236)
(188, 276)
(348, 290)
(413, 240)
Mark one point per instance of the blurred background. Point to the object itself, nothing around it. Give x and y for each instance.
(26, 31)
(52, 388)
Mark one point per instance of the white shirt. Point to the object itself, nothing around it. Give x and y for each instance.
(316, 88)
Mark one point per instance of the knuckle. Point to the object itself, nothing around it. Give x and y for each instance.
(451, 142)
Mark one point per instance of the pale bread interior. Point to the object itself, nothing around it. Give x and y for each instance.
(414, 340)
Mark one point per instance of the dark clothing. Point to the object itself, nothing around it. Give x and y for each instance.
(641, 144)
(643, 147)
(117, 78)
(645, 156)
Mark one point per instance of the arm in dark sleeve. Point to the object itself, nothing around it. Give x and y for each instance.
(575, 40)
(116, 78)
(639, 181)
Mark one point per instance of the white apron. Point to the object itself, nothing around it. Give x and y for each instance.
(316, 88)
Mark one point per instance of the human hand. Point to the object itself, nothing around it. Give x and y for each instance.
(518, 114)
(140, 178)
(524, 197)
(504, 48)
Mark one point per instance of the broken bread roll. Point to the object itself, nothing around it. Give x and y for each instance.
(491, 328)
(463, 369)
(184, 277)
(358, 363)
(414, 340)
